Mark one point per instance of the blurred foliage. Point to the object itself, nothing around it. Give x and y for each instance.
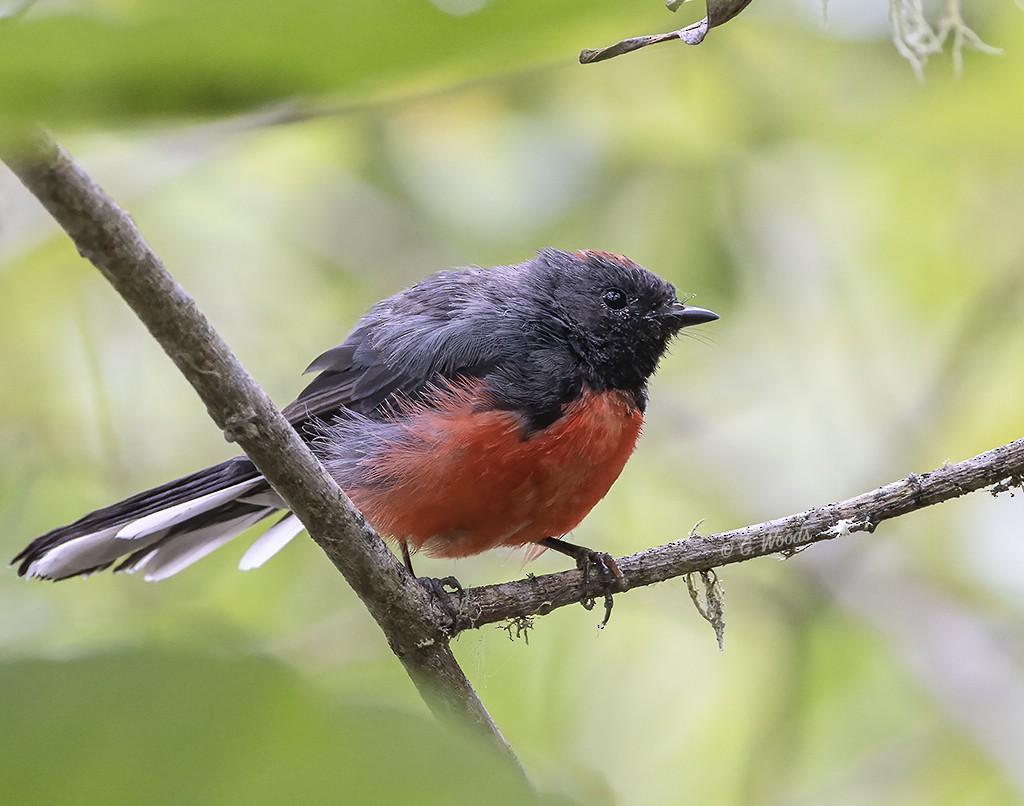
(158, 728)
(119, 59)
(859, 232)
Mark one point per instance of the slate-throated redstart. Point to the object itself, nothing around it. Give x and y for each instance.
(479, 408)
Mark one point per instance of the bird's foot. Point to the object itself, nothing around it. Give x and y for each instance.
(444, 591)
(587, 561)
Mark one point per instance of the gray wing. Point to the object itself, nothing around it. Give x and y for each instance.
(433, 331)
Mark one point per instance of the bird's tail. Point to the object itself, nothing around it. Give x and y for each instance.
(163, 530)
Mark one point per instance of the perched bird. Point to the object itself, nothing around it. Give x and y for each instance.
(476, 409)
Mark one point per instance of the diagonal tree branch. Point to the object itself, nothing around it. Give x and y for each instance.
(106, 235)
(998, 470)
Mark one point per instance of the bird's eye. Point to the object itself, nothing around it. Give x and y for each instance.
(614, 298)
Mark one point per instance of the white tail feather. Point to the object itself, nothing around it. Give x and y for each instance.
(140, 564)
(270, 542)
(87, 551)
(191, 547)
(164, 518)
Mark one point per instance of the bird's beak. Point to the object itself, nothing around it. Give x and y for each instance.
(680, 316)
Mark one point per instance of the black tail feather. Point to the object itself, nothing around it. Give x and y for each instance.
(203, 482)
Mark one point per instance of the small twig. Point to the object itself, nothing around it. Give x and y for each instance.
(712, 609)
(719, 12)
(913, 35)
(589, 56)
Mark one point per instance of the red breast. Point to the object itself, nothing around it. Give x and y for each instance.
(466, 477)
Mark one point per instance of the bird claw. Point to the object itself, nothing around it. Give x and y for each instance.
(587, 560)
(610, 577)
(443, 590)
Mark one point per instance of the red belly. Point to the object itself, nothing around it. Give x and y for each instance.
(471, 482)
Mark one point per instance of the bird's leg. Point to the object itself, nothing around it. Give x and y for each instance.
(441, 588)
(407, 558)
(587, 559)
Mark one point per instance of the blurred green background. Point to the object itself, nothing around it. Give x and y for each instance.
(860, 232)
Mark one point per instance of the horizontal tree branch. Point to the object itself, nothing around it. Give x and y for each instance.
(105, 234)
(998, 470)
